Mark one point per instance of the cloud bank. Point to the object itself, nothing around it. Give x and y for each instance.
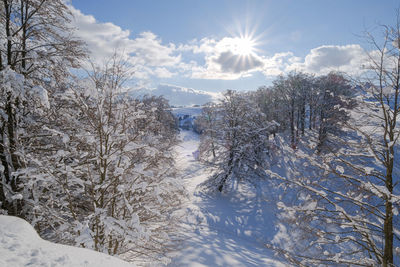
(208, 58)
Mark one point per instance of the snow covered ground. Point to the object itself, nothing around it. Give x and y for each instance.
(20, 245)
(221, 230)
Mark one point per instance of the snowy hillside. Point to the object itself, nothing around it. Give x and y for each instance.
(180, 96)
(20, 245)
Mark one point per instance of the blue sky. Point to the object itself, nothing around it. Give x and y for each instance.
(218, 45)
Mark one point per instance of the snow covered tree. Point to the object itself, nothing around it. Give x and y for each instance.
(38, 48)
(312, 101)
(105, 178)
(335, 97)
(292, 96)
(286, 102)
(347, 206)
(287, 93)
(269, 102)
(37, 36)
(207, 125)
(240, 145)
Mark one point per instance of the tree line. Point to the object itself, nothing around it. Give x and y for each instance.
(236, 131)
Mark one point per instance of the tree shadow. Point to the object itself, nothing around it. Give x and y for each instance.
(229, 230)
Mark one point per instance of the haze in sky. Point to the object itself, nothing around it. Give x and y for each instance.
(230, 44)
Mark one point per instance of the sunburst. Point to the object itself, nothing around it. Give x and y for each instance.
(243, 46)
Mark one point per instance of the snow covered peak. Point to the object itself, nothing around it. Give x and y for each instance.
(180, 96)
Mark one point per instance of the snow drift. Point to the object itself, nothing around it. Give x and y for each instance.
(20, 245)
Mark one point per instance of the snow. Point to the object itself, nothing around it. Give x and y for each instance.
(179, 96)
(220, 230)
(340, 169)
(21, 246)
(41, 94)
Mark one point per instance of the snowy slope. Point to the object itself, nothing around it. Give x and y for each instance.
(221, 230)
(20, 245)
(180, 96)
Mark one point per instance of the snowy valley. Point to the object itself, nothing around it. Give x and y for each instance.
(208, 143)
(218, 230)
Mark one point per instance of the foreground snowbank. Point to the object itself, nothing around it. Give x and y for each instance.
(20, 245)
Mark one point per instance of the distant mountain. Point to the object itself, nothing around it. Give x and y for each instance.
(180, 96)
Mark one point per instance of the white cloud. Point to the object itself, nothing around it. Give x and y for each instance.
(149, 50)
(147, 54)
(102, 38)
(278, 63)
(163, 72)
(326, 58)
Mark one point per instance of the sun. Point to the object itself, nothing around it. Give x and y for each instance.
(243, 46)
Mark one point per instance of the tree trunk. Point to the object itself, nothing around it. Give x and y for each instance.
(388, 223)
(388, 230)
(292, 123)
(7, 10)
(15, 164)
(302, 116)
(230, 167)
(298, 124)
(24, 15)
(321, 132)
(5, 178)
(213, 149)
(310, 119)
